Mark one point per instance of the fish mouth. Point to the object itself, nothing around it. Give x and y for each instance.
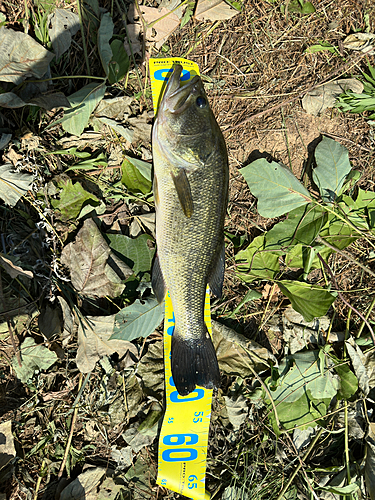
(176, 96)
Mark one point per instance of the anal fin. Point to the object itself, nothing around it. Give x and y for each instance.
(157, 281)
(182, 185)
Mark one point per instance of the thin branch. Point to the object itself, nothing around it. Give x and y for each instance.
(328, 269)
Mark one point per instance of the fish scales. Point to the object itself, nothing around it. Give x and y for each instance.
(190, 190)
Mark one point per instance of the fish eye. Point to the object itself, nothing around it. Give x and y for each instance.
(201, 102)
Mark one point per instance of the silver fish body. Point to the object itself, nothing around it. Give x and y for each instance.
(190, 191)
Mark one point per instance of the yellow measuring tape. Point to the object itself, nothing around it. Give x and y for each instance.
(184, 433)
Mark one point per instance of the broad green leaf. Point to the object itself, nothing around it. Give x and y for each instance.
(348, 381)
(277, 189)
(105, 33)
(366, 199)
(355, 214)
(119, 64)
(255, 263)
(133, 179)
(136, 252)
(138, 320)
(301, 226)
(333, 165)
(304, 389)
(33, 357)
(13, 185)
(312, 301)
(338, 233)
(72, 199)
(83, 103)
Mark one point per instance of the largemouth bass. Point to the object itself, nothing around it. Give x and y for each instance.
(191, 192)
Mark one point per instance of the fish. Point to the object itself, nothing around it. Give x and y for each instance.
(190, 187)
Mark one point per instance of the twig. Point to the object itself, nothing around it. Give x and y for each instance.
(69, 442)
(328, 269)
(319, 239)
(340, 69)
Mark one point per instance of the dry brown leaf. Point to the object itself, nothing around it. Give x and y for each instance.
(238, 355)
(13, 157)
(93, 342)
(363, 42)
(134, 30)
(87, 259)
(161, 30)
(21, 56)
(12, 269)
(323, 97)
(7, 450)
(214, 10)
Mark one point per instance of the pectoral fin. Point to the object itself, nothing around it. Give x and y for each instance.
(182, 186)
(217, 272)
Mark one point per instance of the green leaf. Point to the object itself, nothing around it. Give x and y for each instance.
(312, 301)
(255, 263)
(136, 252)
(341, 490)
(138, 320)
(83, 103)
(119, 64)
(105, 33)
(302, 226)
(308, 8)
(73, 197)
(349, 382)
(33, 357)
(304, 389)
(132, 176)
(333, 166)
(188, 13)
(320, 47)
(277, 189)
(13, 185)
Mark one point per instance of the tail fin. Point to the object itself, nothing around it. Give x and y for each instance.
(194, 362)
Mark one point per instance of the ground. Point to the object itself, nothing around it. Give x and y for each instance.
(75, 411)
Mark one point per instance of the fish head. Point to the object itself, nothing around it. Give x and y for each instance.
(184, 109)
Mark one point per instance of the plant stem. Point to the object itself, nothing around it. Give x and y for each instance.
(79, 6)
(69, 442)
(291, 479)
(367, 316)
(319, 239)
